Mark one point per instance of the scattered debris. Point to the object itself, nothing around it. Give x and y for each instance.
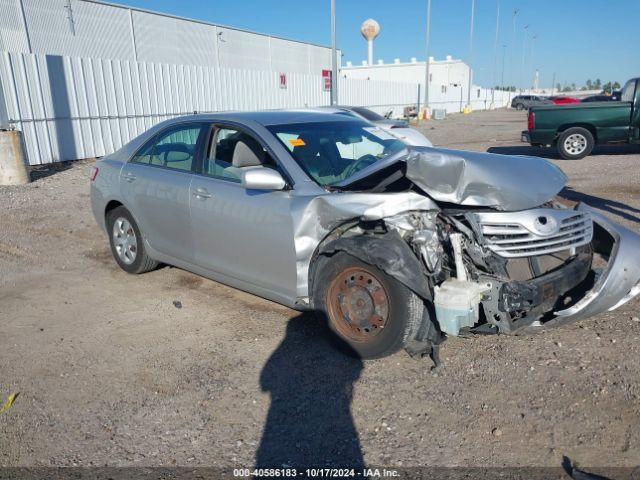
(177, 304)
(496, 432)
(10, 399)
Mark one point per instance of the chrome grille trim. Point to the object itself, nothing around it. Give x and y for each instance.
(534, 232)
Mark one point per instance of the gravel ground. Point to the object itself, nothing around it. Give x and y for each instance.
(110, 372)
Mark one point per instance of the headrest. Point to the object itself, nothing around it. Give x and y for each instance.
(245, 156)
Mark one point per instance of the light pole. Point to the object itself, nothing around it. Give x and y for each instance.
(524, 50)
(473, 11)
(426, 63)
(334, 56)
(495, 51)
(512, 58)
(504, 54)
(533, 46)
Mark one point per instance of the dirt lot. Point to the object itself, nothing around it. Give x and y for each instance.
(110, 372)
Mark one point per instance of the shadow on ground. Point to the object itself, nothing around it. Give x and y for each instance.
(612, 206)
(309, 423)
(549, 152)
(38, 172)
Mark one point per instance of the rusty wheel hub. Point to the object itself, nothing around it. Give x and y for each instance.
(358, 304)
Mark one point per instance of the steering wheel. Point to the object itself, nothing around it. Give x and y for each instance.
(359, 164)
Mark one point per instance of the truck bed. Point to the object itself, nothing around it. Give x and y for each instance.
(608, 121)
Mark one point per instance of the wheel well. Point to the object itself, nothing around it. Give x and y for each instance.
(110, 206)
(586, 126)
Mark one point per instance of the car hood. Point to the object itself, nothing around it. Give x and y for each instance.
(504, 182)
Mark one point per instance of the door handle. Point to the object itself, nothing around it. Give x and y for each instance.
(129, 177)
(202, 193)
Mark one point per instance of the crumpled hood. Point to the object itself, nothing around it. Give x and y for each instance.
(505, 182)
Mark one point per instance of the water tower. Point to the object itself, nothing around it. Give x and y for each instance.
(370, 30)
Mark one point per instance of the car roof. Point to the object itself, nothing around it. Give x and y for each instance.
(270, 117)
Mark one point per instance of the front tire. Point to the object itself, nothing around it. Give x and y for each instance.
(575, 143)
(127, 245)
(370, 311)
(519, 106)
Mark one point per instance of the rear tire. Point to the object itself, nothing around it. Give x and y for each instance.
(369, 311)
(127, 244)
(575, 143)
(519, 106)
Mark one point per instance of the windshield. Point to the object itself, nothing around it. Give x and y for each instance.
(330, 152)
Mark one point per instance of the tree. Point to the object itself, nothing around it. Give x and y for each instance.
(589, 84)
(597, 85)
(567, 88)
(606, 88)
(616, 86)
(559, 87)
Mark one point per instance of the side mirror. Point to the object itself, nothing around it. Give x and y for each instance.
(261, 178)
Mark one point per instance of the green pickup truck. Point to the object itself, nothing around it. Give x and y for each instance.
(576, 128)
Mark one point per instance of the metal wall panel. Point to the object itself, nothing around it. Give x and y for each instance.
(160, 39)
(13, 37)
(70, 108)
(86, 29)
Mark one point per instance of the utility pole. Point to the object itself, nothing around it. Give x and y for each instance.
(334, 56)
(426, 63)
(473, 12)
(553, 83)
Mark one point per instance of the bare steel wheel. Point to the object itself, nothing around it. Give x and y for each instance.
(575, 143)
(371, 313)
(358, 304)
(127, 244)
(124, 240)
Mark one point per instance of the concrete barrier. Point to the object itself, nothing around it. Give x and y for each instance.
(13, 168)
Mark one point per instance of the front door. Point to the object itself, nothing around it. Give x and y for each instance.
(246, 235)
(155, 185)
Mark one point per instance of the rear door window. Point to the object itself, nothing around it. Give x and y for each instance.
(176, 148)
(628, 92)
(173, 148)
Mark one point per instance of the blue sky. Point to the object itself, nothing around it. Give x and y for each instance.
(577, 39)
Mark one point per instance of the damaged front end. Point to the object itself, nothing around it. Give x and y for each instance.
(486, 258)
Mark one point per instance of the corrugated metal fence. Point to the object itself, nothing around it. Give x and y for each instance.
(71, 108)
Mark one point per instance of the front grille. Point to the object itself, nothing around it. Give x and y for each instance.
(535, 232)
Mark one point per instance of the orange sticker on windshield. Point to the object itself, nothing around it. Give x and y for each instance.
(296, 142)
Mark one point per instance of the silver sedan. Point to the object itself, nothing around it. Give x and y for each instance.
(396, 246)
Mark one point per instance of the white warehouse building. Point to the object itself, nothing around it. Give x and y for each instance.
(94, 29)
(448, 81)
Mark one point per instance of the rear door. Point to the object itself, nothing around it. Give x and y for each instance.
(246, 235)
(155, 185)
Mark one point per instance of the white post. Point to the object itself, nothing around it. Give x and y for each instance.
(334, 56)
(370, 52)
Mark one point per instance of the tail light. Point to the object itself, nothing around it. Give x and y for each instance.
(531, 120)
(94, 173)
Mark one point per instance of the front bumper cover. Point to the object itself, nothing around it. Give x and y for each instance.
(618, 283)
